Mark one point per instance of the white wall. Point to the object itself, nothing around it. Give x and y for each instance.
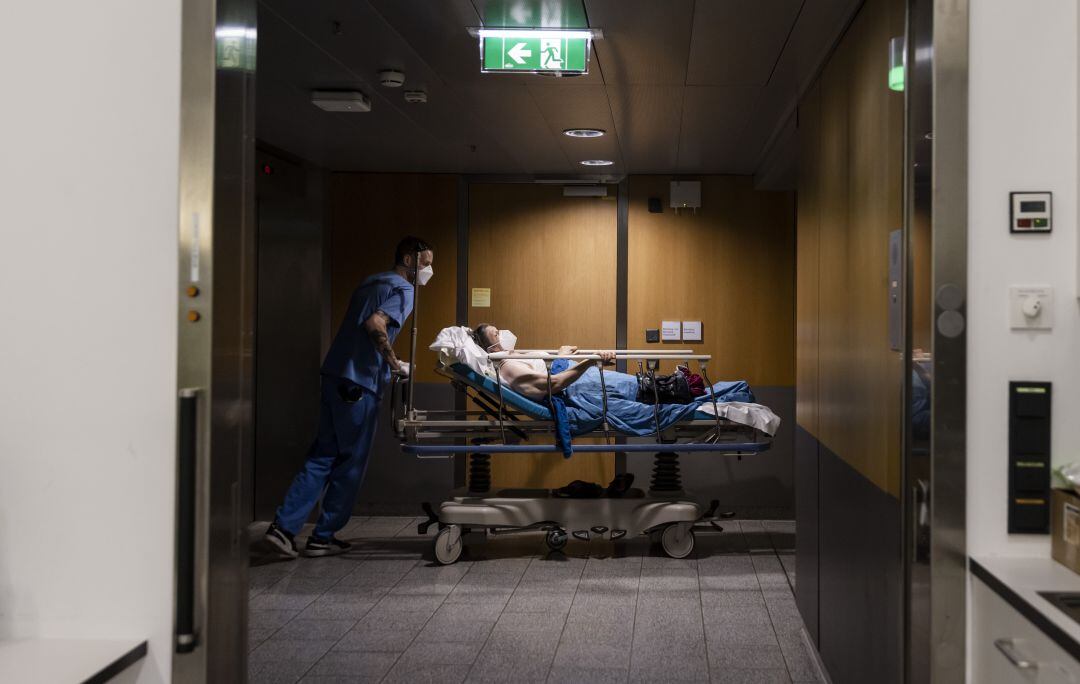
(1022, 136)
(88, 189)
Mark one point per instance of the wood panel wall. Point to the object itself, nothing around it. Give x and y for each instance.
(731, 265)
(367, 215)
(550, 263)
(850, 194)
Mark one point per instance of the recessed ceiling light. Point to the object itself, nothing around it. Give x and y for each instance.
(584, 132)
(597, 162)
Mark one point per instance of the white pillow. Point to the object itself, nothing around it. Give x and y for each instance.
(456, 345)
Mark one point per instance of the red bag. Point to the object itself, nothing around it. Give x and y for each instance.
(696, 382)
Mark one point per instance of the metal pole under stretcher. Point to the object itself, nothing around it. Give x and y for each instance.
(603, 395)
(412, 343)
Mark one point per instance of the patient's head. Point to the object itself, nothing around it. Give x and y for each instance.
(487, 336)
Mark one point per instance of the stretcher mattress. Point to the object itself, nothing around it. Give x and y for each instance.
(743, 413)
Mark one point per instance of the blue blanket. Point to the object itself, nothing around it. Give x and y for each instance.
(584, 405)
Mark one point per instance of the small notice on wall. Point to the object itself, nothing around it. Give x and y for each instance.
(481, 297)
(691, 331)
(670, 331)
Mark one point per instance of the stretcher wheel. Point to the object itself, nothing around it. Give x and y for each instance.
(677, 541)
(556, 539)
(448, 545)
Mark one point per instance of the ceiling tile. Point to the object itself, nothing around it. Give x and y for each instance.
(737, 42)
(645, 41)
(647, 122)
(712, 140)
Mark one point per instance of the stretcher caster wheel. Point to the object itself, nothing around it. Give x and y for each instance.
(677, 541)
(556, 539)
(448, 545)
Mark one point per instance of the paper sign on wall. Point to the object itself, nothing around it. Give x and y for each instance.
(691, 331)
(481, 297)
(670, 331)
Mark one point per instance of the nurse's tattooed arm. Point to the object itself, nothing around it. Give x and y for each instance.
(375, 326)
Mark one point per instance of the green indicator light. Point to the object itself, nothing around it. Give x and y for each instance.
(896, 64)
(1031, 390)
(896, 78)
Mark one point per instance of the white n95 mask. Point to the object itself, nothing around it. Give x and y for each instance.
(507, 340)
(424, 274)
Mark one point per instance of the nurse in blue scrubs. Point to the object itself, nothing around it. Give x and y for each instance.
(357, 367)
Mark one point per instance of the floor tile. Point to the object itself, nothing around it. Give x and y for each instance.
(369, 666)
(452, 673)
(509, 612)
(574, 674)
(294, 653)
(270, 618)
(337, 607)
(745, 657)
(529, 622)
(306, 629)
(777, 676)
(441, 653)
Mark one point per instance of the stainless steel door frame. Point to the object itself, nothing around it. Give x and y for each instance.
(935, 472)
(215, 309)
(949, 216)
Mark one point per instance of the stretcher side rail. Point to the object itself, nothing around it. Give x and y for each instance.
(733, 448)
(419, 427)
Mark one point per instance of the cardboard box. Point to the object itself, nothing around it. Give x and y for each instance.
(1065, 528)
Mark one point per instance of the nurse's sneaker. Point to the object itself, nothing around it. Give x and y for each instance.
(281, 540)
(317, 546)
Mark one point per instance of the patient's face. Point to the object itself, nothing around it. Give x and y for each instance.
(491, 339)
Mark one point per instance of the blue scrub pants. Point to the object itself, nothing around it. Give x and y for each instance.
(335, 463)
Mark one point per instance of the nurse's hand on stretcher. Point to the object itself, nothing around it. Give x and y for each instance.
(403, 369)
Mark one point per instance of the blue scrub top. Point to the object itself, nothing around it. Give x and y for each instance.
(352, 354)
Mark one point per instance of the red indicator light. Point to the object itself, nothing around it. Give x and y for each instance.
(267, 169)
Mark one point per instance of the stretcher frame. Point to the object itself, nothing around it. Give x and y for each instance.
(665, 514)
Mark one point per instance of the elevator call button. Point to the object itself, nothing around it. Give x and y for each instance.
(1029, 212)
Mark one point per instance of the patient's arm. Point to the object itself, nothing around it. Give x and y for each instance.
(524, 380)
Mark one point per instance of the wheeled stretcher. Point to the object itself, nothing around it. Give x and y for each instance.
(505, 422)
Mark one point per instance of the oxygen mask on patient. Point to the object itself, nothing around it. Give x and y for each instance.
(507, 341)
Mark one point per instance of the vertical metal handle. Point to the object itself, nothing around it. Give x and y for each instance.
(187, 453)
(412, 342)
(1008, 649)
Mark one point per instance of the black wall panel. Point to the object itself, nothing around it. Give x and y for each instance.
(860, 619)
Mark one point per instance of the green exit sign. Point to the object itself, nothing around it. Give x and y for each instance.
(533, 51)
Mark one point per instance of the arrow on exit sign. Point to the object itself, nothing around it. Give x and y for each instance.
(534, 51)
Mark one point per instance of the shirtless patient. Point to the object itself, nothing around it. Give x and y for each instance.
(529, 376)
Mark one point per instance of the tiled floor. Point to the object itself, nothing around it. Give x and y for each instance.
(508, 611)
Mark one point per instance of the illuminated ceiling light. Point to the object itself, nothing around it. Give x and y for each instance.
(583, 132)
(896, 64)
(556, 34)
(597, 162)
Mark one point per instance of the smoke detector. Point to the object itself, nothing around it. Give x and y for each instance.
(340, 100)
(390, 78)
(415, 96)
